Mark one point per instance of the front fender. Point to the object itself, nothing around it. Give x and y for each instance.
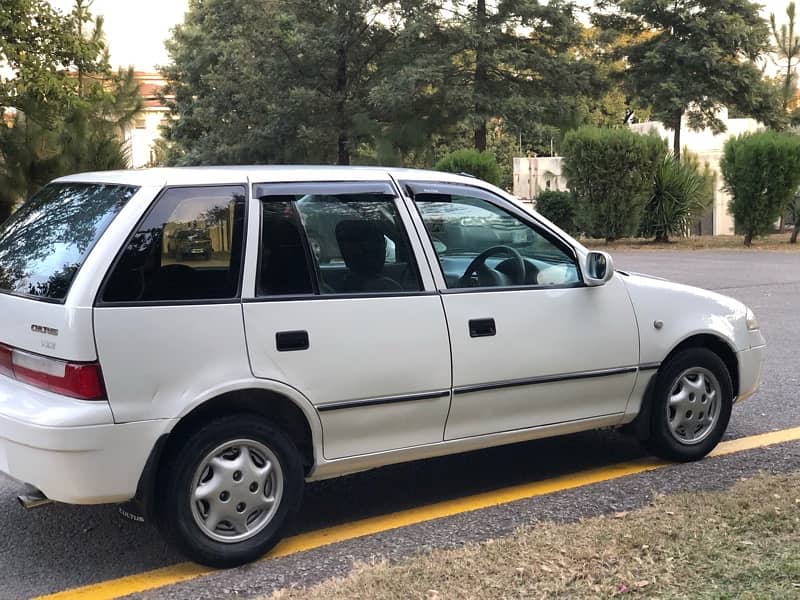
(668, 313)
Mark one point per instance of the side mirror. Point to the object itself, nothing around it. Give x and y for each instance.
(598, 268)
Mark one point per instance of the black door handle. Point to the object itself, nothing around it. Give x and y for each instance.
(289, 341)
(482, 328)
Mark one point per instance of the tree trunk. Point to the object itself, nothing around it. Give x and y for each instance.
(662, 237)
(344, 151)
(748, 239)
(795, 231)
(481, 73)
(340, 88)
(676, 140)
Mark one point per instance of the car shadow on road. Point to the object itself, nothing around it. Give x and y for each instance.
(61, 546)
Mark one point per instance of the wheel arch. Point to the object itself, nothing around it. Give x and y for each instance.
(711, 341)
(281, 404)
(718, 345)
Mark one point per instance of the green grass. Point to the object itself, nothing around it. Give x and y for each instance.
(740, 543)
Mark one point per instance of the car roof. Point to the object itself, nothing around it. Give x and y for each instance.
(177, 176)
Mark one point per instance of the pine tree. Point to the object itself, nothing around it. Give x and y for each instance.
(696, 56)
(787, 45)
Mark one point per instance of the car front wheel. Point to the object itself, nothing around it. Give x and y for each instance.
(691, 405)
(229, 491)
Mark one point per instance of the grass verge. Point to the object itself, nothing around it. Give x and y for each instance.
(776, 242)
(740, 543)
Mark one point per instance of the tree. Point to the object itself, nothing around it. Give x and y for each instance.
(364, 80)
(29, 158)
(515, 59)
(105, 104)
(682, 191)
(278, 81)
(794, 212)
(39, 47)
(611, 172)
(696, 57)
(787, 45)
(66, 108)
(762, 173)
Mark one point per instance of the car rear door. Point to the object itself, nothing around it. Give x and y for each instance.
(341, 309)
(529, 349)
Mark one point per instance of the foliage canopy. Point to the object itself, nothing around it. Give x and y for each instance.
(610, 171)
(482, 165)
(692, 57)
(762, 174)
(682, 190)
(64, 107)
(558, 207)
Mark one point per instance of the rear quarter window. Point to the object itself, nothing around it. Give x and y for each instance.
(46, 241)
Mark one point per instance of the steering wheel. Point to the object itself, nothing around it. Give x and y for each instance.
(490, 277)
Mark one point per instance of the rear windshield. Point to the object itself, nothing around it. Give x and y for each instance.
(45, 242)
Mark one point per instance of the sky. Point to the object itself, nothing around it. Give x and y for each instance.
(136, 30)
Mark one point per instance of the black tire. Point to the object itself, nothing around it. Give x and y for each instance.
(661, 440)
(174, 512)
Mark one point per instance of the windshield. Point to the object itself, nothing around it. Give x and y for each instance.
(45, 242)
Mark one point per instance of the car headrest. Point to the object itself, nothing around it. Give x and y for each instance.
(362, 245)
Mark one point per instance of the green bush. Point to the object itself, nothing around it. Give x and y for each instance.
(793, 212)
(682, 190)
(482, 165)
(611, 173)
(762, 172)
(559, 207)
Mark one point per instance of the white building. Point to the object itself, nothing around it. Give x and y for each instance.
(145, 131)
(533, 175)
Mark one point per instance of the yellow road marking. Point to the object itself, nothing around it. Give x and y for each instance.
(157, 578)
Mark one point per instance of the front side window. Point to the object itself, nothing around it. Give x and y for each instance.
(329, 240)
(189, 247)
(46, 241)
(481, 245)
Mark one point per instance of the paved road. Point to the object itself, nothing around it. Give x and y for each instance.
(63, 546)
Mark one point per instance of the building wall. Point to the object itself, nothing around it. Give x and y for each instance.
(143, 134)
(533, 175)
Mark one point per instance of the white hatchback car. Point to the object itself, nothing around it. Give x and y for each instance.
(205, 340)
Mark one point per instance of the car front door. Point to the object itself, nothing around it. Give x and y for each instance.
(532, 345)
(342, 312)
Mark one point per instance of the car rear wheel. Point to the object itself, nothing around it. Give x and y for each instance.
(691, 405)
(229, 490)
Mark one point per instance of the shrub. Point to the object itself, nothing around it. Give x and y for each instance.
(762, 172)
(559, 207)
(611, 173)
(682, 190)
(482, 165)
(793, 211)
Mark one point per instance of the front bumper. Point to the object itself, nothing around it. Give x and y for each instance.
(750, 365)
(71, 449)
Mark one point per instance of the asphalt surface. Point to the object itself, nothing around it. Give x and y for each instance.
(59, 547)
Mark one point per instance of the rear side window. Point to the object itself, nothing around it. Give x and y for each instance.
(189, 247)
(333, 239)
(46, 241)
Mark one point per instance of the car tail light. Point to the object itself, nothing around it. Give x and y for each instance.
(77, 380)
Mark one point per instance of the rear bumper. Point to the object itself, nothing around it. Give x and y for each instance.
(56, 444)
(750, 364)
